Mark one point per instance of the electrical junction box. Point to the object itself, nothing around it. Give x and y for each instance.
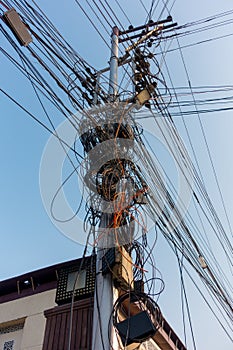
(143, 97)
(19, 29)
(136, 328)
(108, 260)
(118, 262)
(139, 286)
(123, 269)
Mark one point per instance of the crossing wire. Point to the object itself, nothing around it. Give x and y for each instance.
(186, 238)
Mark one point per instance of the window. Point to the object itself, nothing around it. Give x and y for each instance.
(8, 345)
(80, 280)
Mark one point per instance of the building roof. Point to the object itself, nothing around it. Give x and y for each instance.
(32, 282)
(46, 279)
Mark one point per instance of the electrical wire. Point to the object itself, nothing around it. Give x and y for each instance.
(39, 122)
(60, 62)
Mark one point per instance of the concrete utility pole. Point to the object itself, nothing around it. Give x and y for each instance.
(111, 167)
(105, 293)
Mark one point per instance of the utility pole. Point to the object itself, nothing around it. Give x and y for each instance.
(116, 186)
(105, 293)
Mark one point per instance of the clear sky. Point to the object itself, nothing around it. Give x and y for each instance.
(29, 240)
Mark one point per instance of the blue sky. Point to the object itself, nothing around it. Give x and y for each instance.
(29, 239)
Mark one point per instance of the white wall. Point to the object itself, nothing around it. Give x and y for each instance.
(32, 307)
(16, 336)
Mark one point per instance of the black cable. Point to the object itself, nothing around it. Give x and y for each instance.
(204, 297)
(39, 122)
(143, 302)
(73, 294)
(92, 22)
(183, 291)
(209, 155)
(57, 193)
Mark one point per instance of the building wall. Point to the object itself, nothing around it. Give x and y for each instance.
(30, 312)
(58, 326)
(11, 340)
